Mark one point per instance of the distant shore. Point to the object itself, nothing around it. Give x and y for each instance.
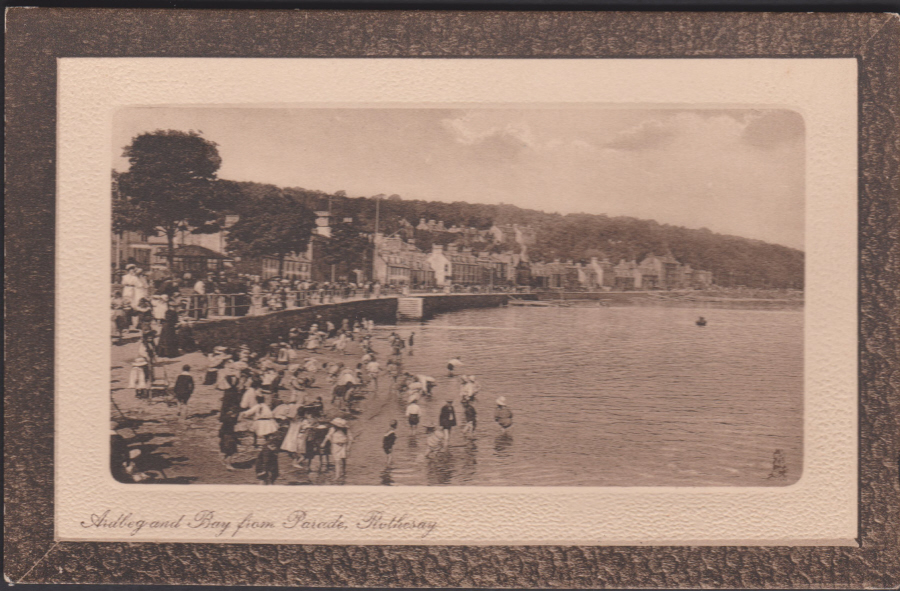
(734, 297)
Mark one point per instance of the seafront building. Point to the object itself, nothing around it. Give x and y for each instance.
(397, 260)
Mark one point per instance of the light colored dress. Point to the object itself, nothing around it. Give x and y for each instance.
(263, 420)
(340, 443)
(295, 439)
(248, 400)
(137, 379)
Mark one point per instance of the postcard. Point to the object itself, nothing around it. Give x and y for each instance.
(480, 302)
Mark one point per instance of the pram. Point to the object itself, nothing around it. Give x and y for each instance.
(159, 385)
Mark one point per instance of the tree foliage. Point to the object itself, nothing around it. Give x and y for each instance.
(271, 224)
(168, 186)
(347, 244)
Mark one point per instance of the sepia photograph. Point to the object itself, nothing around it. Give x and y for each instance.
(490, 295)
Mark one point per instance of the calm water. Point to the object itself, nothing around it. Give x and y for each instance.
(620, 396)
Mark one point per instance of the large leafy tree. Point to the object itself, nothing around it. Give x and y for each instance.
(169, 186)
(271, 225)
(347, 244)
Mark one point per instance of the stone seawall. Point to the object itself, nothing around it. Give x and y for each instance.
(259, 331)
(438, 304)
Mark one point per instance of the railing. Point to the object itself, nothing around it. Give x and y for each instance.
(230, 305)
(217, 305)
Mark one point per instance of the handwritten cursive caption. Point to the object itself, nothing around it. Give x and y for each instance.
(210, 521)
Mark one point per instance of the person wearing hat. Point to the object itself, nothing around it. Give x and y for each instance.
(503, 415)
(340, 439)
(447, 420)
(168, 337)
(139, 377)
(130, 283)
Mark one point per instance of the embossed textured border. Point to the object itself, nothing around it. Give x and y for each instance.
(36, 37)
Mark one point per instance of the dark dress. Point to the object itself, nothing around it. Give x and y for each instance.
(186, 340)
(227, 437)
(184, 387)
(470, 415)
(231, 398)
(168, 340)
(388, 442)
(448, 417)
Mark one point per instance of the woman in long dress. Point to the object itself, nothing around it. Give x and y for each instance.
(168, 337)
(295, 438)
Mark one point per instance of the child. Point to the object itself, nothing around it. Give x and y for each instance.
(264, 423)
(452, 365)
(139, 377)
(503, 415)
(267, 462)
(184, 387)
(435, 441)
(470, 414)
(412, 415)
(388, 442)
(340, 438)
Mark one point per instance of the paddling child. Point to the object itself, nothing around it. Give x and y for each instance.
(434, 441)
(447, 420)
(470, 417)
(503, 415)
(453, 364)
(387, 443)
(184, 387)
(412, 415)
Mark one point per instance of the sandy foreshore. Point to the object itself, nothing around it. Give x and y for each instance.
(187, 451)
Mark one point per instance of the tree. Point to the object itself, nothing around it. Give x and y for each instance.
(168, 187)
(347, 244)
(271, 225)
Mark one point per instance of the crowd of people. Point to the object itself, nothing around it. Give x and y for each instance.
(288, 399)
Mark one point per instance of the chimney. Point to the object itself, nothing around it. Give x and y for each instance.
(437, 248)
(593, 260)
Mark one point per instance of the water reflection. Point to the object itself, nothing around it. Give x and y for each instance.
(441, 467)
(502, 444)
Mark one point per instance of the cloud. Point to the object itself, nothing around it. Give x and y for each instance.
(645, 136)
(772, 129)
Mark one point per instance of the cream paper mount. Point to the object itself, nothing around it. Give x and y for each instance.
(819, 509)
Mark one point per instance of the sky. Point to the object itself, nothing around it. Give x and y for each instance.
(735, 171)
